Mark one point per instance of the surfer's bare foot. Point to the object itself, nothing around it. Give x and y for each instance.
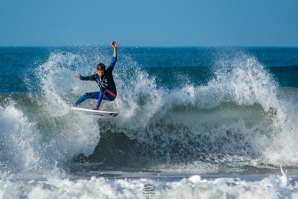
(96, 109)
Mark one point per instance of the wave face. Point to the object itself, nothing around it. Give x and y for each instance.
(235, 115)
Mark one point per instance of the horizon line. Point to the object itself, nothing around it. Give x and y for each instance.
(130, 46)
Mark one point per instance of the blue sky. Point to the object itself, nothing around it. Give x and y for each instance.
(149, 22)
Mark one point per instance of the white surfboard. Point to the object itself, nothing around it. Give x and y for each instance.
(102, 114)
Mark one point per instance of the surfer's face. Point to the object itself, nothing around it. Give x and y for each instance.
(100, 72)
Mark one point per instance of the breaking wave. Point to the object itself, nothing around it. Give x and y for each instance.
(240, 115)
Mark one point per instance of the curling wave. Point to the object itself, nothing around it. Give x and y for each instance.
(240, 115)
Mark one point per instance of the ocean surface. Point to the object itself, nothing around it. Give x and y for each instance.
(192, 123)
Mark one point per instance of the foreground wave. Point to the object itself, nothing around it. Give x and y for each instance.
(192, 187)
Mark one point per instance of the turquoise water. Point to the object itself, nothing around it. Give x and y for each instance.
(196, 64)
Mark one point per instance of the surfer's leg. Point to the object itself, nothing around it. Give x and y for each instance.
(105, 95)
(99, 99)
(108, 95)
(93, 95)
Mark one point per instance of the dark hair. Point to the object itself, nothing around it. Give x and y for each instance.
(101, 66)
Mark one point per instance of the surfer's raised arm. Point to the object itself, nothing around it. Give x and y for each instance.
(114, 59)
(110, 67)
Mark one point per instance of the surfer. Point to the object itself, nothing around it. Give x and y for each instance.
(105, 81)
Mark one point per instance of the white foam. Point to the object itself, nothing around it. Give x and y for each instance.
(192, 187)
(68, 133)
(19, 139)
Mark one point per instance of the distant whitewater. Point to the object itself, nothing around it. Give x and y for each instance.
(182, 112)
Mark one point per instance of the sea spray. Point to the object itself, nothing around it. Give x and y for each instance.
(236, 113)
(20, 143)
(72, 133)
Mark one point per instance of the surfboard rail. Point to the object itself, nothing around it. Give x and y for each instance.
(103, 114)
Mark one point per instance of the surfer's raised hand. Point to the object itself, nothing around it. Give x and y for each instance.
(114, 44)
(78, 76)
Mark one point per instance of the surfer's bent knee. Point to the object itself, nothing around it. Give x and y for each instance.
(87, 94)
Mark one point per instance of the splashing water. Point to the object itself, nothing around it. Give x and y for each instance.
(237, 115)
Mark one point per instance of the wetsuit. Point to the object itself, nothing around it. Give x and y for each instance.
(107, 87)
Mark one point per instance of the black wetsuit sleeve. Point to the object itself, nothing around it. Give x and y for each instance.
(112, 64)
(88, 78)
